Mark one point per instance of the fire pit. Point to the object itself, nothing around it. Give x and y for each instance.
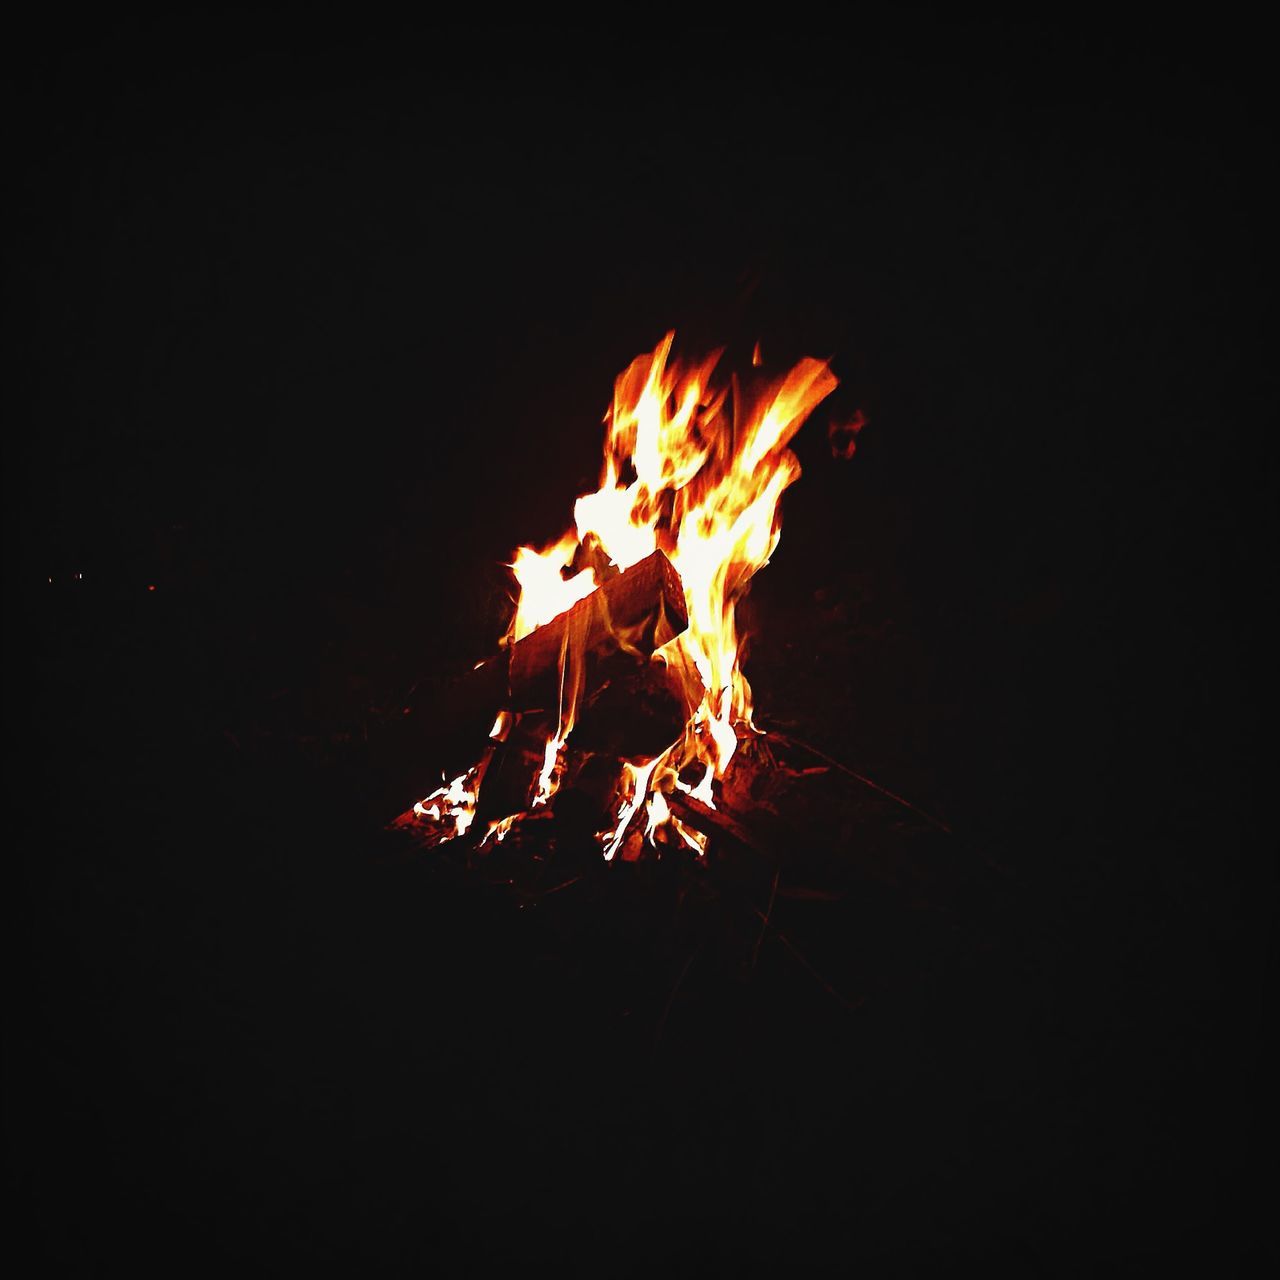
(620, 696)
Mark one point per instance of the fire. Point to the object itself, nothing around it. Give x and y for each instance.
(694, 467)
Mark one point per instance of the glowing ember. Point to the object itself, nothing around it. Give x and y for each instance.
(697, 473)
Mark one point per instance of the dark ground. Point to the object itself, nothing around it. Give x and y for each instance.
(307, 332)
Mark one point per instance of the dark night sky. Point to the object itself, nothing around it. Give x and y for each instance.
(308, 329)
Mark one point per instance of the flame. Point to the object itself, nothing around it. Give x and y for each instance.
(452, 808)
(695, 468)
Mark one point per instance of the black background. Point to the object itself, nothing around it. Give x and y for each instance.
(308, 329)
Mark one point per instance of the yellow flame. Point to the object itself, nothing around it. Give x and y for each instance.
(708, 478)
(454, 804)
(549, 777)
(635, 783)
(698, 472)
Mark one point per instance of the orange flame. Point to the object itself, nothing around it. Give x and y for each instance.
(698, 473)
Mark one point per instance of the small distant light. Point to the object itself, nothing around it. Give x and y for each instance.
(79, 577)
(151, 586)
(50, 579)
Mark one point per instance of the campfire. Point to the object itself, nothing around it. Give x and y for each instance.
(618, 701)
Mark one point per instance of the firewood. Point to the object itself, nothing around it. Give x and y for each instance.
(636, 611)
(720, 825)
(631, 710)
(513, 773)
(600, 651)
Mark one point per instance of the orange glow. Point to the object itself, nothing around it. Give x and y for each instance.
(843, 435)
(694, 467)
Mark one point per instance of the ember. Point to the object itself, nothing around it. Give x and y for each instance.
(640, 596)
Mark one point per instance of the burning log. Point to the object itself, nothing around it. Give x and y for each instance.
(637, 611)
